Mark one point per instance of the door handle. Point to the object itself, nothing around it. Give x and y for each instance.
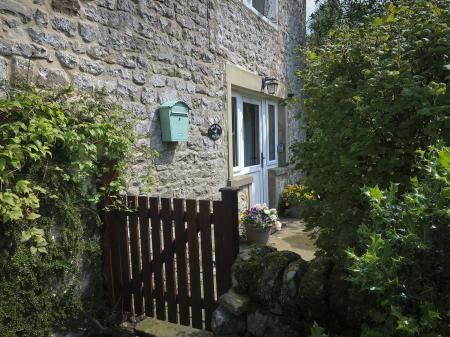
(262, 159)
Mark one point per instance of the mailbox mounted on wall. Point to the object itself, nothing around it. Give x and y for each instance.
(174, 117)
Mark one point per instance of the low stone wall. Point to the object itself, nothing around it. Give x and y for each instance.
(277, 294)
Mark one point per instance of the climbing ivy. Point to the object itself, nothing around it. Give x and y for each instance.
(61, 153)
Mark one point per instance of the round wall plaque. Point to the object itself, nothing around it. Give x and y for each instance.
(214, 131)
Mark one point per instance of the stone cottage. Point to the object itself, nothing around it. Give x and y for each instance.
(231, 61)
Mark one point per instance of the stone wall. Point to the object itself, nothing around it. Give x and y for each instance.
(278, 294)
(142, 53)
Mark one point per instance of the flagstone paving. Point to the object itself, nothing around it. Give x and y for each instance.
(151, 327)
(292, 237)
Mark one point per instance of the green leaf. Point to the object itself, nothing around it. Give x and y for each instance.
(375, 193)
(32, 216)
(317, 331)
(444, 157)
(25, 236)
(42, 250)
(2, 164)
(378, 21)
(312, 56)
(22, 186)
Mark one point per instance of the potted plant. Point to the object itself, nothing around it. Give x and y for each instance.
(258, 221)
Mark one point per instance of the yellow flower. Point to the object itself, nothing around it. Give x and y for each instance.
(294, 194)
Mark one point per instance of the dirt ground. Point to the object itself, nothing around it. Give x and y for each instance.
(291, 237)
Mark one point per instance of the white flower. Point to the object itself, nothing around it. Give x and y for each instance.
(273, 211)
(266, 211)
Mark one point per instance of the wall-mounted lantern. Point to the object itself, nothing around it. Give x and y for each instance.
(271, 84)
(174, 117)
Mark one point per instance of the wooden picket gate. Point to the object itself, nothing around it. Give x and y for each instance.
(170, 258)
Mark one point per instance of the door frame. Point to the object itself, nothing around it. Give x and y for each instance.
(269, 164)
(264, 143)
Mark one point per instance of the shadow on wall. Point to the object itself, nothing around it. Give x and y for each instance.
(166, 149)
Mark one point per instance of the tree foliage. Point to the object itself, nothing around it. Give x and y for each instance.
(373, 94)
(405, 262)
(60, 153)
(330, 14)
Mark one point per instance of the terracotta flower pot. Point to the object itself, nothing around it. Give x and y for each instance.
(257, 235)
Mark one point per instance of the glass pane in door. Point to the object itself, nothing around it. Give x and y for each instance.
(235, 132)
(272, 127)
(260, 6)
(251, 134)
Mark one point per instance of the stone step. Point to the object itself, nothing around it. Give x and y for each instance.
(151, 327)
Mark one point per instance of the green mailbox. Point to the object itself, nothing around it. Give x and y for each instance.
(174, 117)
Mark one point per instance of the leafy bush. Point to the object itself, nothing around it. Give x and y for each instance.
(406, 262)
(60, 154)
(373, 94)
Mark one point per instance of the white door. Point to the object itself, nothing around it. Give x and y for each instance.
(270, 143)
(255, 138)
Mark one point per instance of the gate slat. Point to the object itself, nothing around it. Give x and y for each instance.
(219, 250)
(107, 249)
(194, 266)
(135, 249)
(157, 259)
(166, 215)
(207, 264)
(116, 261)
(125, 258)
(180, 247)
(145, 253)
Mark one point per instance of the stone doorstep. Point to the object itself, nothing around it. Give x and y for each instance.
(151, 327)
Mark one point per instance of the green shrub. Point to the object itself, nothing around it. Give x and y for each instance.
(373, 94)
(406, 262)
(60, 154)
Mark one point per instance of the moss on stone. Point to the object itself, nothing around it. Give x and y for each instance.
(268, 285)
(290, 284)
(248, 267)
(312, 299)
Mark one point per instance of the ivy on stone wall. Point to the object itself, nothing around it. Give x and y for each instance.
(60, 154)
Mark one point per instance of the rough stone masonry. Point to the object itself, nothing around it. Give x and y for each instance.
(145, 52)
(278, 294)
